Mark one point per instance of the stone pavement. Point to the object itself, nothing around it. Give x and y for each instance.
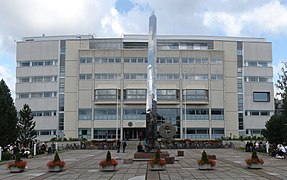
(83, 164)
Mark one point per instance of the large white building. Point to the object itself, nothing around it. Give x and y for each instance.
(95, 88)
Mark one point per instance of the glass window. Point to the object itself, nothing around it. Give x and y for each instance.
(85, 114)
(106, 114)
(24, 95)
(24, 64)
(24, 79)
(261, 96)
(254, 113)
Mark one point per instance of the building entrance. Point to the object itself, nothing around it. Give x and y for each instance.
(134, 133)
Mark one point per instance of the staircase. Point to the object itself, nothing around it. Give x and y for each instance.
(133, 144)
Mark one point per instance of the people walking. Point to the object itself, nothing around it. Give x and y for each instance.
(124, 145)
(118, 145)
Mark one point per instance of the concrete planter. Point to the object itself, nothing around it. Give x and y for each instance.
(205, 167)
(108, 168)
(157, 167)
(254, 166)
(56, 169)
(16, 169)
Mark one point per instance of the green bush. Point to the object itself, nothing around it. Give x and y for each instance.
(7, 156)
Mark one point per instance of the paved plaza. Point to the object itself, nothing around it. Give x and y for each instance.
(83, 164)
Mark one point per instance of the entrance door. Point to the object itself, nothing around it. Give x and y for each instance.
(134, 133)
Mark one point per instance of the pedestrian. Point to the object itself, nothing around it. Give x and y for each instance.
(118, 145)
(124, 145)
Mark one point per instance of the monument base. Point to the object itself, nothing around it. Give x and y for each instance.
(149, 155)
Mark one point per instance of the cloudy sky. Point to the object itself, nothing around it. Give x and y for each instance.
(105, 18)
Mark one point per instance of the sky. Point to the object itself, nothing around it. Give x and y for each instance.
(112, 18)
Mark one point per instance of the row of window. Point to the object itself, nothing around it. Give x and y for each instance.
(258, 113)
(110, 133)
(258, 63)
(143, 76)
(160, 60)
(48, 132)
(203, 133)
(37, 79)
(140, 114)
(257, 79)
(36, 95)
(162, 94)
(44, 113)
(50, 62)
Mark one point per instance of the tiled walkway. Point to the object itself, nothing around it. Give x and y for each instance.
(83, 164)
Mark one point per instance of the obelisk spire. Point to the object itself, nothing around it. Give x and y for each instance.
(151, 99)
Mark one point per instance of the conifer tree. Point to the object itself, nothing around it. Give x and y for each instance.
(8, 116)
(26, 126)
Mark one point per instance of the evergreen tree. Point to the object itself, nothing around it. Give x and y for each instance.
(275, 131)
(8, 116)
(26, 125)
(282, 86)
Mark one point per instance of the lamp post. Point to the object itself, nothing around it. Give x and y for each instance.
(185, 99)
(117, 115)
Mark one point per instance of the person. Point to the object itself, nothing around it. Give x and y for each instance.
(53, 146)
(118, 145)
(140, 147)
(124, 145)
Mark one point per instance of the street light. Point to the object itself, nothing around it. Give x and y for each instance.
(185, 99)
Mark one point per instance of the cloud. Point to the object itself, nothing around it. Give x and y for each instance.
(18, 19)
(266, 19)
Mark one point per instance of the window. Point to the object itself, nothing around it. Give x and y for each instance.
(216, 61)
(196, 114)
(217, 114)
(85, 76)
(134, 114)
(196, 76)
(240, 121)
(134, 94)
(23, 95)
(167, 94)
(135, 76)
(86, 60)
(36, 95)
(254, 113)
(106, 94)
(261, 96)
(85, 114)
(24, 64)
(106, 114)
(196, 95)
(195, 60)
(23, 79)
(104, 133)
(107, 76)
(167, 76)
(216, 76)
(165, 60)
(107, 60)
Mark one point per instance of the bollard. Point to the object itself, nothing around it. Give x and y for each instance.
(35, 146)
(0, 153)
(267, 147)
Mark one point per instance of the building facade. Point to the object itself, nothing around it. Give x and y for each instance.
(95, 88)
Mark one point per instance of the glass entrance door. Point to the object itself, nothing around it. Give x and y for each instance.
(134, 133)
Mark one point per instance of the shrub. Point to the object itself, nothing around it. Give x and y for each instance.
(56, 162)
(204, 160)
(108, 161)
(7, 156)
